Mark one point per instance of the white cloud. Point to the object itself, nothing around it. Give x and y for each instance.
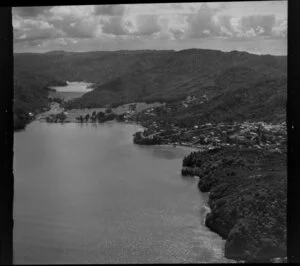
(147, 25)
(202, 23)
(109, 10)
(280, 28)
(115, 26)
(76, 25)
(258, 22)
(141, 26)
(30, 11)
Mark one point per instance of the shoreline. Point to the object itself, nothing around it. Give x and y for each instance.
(210, 218)
(240, 210)
(141, 127)
(206, 208)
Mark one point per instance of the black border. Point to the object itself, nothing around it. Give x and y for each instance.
(6, 150)
(6, 118)
(293, 218)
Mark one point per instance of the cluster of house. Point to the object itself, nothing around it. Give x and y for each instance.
(260, 135)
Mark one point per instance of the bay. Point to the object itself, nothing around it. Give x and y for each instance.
(84, 193)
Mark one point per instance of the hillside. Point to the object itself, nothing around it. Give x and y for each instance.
(96, 67)
(235, 83)
(261, 101)
(30, 95)
(175, 75)
(247, 199)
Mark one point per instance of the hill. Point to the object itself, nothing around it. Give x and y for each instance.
(30, 95)
(247, 199)
(175, 75)
(225, 78)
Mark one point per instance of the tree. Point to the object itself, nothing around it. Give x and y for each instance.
(108, 110)
(61, 116)
(100, 116)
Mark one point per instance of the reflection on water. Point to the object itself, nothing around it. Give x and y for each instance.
(165, 152)
(84, 193)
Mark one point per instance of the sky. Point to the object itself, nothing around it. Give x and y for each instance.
(258, 27)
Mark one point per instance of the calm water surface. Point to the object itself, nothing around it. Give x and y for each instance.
(87, 194)
(74, 87)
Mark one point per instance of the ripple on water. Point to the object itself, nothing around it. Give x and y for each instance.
(121, 204)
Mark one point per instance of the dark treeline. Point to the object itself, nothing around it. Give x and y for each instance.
(58, 118)
(100, 117)
(138, 138)
(192, 160)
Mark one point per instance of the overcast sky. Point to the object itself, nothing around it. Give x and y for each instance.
(255, 27)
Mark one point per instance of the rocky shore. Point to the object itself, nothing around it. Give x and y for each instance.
(248, 193)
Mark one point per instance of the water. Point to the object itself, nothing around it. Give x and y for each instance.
(74, 87)
(87, 194)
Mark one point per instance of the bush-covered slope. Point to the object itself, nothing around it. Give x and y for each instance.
(247, 199)
(175, 75)
(227, 78)
(30, 95)
(262, 101)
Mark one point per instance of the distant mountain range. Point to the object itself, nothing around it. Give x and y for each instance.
(236, 83)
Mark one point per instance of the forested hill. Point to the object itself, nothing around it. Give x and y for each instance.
(174, 75)
(30, 94)
(227, 79)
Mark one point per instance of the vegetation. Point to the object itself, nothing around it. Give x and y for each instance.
(247, 186)
(98, 117)
(58, 118)
(30, 95)
(140, 139)
(247, 199)
(56, 100)
(120, 77)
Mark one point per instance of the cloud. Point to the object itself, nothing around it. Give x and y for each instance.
(202, 23)
(280, 28)
(81, 29)
(37, 34)
(177, 33)
(29, 30)
(116, 26)
(217, 7)
(61, 24)
(59, 12)
(261, 25)
(176, 5)
(109, 10)
(76, 27)
(176, 25)
(226, 24)
(147, 25)
(207, 23)
(32, 11)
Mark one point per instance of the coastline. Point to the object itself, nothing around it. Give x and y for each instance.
(245, 213)
(213, 212)
(193, 148)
